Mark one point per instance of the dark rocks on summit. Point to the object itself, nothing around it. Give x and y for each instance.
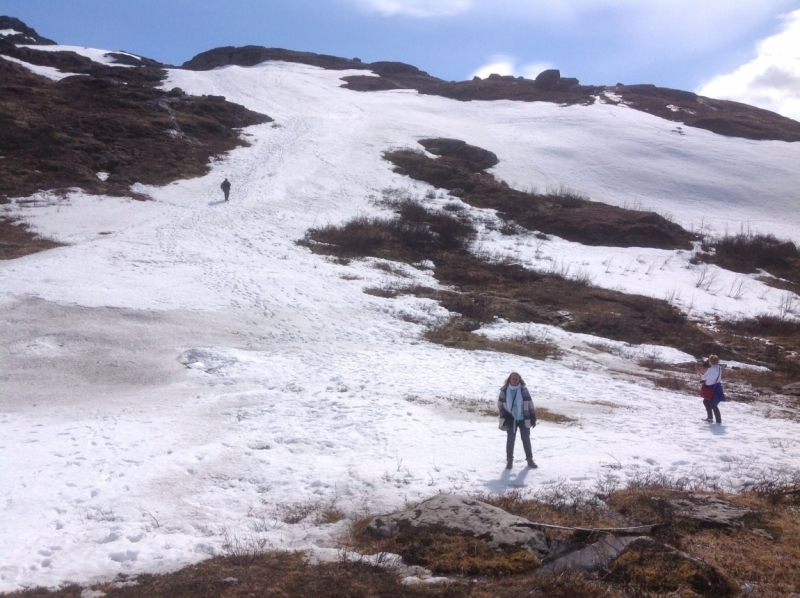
(548, 78)
(253, 55)
(25, 35)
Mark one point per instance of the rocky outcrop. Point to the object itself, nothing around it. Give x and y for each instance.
(708, 511)
(24, 34)
(594, 557)
(467, 516)
(253, 55)
(547, 79)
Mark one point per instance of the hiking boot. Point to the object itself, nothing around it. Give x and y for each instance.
(509, 464)
(532, 464)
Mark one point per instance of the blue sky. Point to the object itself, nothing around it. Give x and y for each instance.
(674, 43)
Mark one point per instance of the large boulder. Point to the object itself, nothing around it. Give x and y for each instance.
(594, 557)
(547, 79)
(467, 516)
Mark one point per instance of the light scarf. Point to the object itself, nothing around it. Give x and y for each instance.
(514, 401)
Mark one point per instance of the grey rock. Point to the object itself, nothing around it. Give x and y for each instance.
(590, 558)
(708, 510)
(399, 170)
(465, 515)
(457, 192)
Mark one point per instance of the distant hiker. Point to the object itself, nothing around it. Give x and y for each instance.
(226, 188)
(516, 413)
(711, 387)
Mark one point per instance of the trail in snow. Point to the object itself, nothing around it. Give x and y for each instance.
(195, 369)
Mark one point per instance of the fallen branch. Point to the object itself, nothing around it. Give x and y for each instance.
(592, 530)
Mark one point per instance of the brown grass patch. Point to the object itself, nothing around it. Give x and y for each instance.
(56, 135)
(268, 574)
(748, 252)
(546, 415)
(481, 291)
(560, 212)
(16, 240)
(654, 570)
(485, 291)
(454, 334)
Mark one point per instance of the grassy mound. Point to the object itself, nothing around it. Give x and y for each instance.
(563, 213)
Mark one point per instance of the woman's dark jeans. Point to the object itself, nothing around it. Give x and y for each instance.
(711, 408)
(525, 433)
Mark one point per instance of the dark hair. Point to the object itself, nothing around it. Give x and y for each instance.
(521, 381)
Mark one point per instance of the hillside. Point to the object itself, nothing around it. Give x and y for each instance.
(183, 373)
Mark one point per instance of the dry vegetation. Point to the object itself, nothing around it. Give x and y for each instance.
(56, 135)
(480, 290)
(17, 240)
(759, 557)
(748, 252)
(560, 212)
(483, 290)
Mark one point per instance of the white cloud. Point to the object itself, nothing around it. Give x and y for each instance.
(417, 8)
(505, 65)
(771, 80)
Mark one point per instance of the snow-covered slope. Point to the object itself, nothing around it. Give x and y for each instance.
(183, 370)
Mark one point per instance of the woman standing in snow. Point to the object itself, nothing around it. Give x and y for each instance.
(711, 390)
(517, 412)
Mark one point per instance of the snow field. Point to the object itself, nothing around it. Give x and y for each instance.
(271, 346)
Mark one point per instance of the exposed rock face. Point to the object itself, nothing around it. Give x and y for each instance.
(24, 35)
(708, 510)
(464, 515)
(590, 558)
